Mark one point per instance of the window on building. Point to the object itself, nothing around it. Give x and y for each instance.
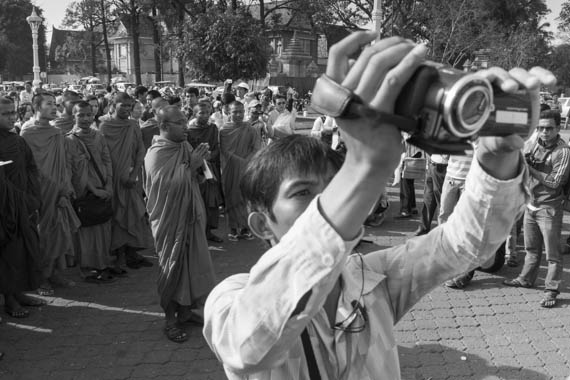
(323, 51)
(122, 51)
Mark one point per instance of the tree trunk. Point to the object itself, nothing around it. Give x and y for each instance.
(106, 41)
(157, 46)
(93, 46)
(136, 46)
(180, 53)
(234, 5)
(262, 13)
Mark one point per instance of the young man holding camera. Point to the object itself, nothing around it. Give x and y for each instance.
(548, 159)
(308, 309)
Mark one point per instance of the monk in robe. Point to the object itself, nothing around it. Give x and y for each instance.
(238, 143)
(65, 120)
(178, 222)
(129, 226)
(202, 131)
(20, 259)
(149, 128)
(91, 172)
(57, 219)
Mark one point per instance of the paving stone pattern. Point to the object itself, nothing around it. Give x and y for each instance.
(114, 331)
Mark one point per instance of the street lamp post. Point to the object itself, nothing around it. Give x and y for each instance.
(35, 21)
(377, 17)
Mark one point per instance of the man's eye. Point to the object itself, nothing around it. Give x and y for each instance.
(302, 193)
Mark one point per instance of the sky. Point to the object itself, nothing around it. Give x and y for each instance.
(54, 11)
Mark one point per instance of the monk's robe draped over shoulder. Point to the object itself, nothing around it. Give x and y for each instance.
(177, 218)
(149, 129)
(93, 242)
(57, 224)
(125, 145)
(20, 257)
(238, 143)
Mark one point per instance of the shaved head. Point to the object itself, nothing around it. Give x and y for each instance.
(158, 103)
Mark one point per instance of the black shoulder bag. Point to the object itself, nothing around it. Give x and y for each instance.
(90, 209)
(314, 373)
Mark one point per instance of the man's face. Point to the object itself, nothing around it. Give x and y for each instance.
(48, 109)
(28, 87)
(237, 113)
(148, 100)
(547, 130)
(255, 112)
(123, 110)
(7, 116)
(175, 126)
(94, 106)
(83, 117)
(137, 111)
(280, 105)
(192, 99)
(293, 197)
(241, 92)
(202, 116)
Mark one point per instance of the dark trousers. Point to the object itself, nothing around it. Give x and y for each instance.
(435, 176)
(407, 195)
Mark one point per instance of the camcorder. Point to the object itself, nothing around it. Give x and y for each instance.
(443, 109)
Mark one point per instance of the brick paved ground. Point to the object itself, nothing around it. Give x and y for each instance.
(114, 331)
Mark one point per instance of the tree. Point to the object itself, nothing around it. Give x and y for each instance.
(221, 45)
(16, 57)
(559, 64)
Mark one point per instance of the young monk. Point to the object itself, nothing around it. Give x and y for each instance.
(124, 140)
(58, 221)
(20, 258)
(309, 309)
(202, 131)
(238, 143)
(91, 171)
(178, 221)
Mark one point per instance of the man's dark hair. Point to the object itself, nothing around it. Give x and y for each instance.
(551, 114)
(109, 89)
(90, 97)
(192, 90)
(294, 154)
(28, 82)
(120, 97)
(4, 100)
(80, 104)
(174, 99)
(153, 94)
(70, 95)
(38, 99)
(236, 103)
(279, 96)
(139, 90)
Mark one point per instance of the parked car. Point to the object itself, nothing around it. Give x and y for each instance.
(75, 88)
(122, 86)
(96, 88)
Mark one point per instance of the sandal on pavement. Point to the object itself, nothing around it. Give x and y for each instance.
(17, 313)
(45, 290)
(175, 334)
(100, 278)
(457, 282)
(214, 238)
(516, 283)
(26, 300)
(549, 300)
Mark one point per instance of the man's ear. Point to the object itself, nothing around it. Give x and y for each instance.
(258, 225)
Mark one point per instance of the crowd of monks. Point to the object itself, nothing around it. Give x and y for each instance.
(167, 168)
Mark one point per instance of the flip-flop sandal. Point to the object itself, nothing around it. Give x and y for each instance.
(175, 334)
(100, 278)
(548, 301)
(20, 313)
(26, 300)
(515, 283)
(45, 290)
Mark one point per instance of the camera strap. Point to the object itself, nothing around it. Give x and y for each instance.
(314, 373)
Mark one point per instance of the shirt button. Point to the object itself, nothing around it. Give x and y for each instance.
(328, 260)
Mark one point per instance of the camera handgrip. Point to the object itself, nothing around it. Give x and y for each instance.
(332, 99)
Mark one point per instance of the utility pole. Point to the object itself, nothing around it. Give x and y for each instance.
(377, 16)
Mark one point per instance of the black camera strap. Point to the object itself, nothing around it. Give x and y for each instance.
(314, 373)
(92, 159)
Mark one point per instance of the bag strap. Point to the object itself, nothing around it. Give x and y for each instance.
(314, 373)
(92, 159)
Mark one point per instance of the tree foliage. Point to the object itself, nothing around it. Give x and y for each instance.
(225, 44)
(16, 57)
(559, 64)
